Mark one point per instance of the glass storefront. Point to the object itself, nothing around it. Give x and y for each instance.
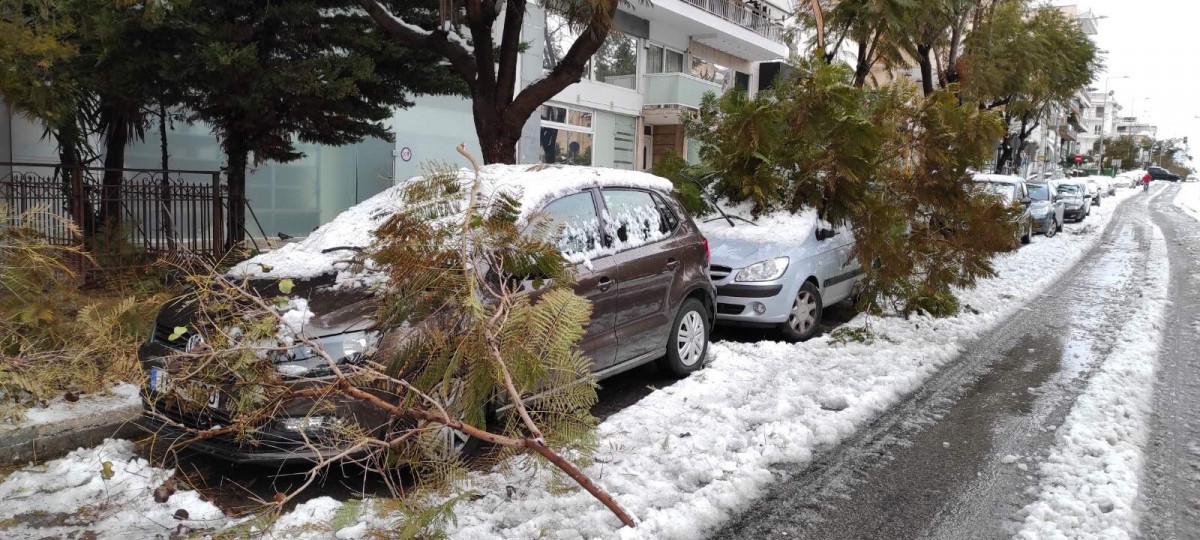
(566, 135)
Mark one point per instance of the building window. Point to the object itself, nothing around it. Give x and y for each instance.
(616, 61)
(566, 135)
(1097, 129)
(559, 38)
(1099, 112)
(660, 59)
(712, 72)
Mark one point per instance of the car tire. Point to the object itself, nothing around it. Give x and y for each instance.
(1028, 237)
(1053, 228)
(456, 445)
(687, 345)
(805, 318)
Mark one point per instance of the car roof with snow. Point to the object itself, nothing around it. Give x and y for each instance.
(998, 178)
(327, 249)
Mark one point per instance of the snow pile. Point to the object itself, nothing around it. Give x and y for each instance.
(121, 396)
(773, 228)
(532, 185)
(1090, 481)
(66, 495)
(293, 320)
(1188, 199)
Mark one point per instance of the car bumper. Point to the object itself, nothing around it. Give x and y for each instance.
(758, 303)
(1074, 213)
(265, 451)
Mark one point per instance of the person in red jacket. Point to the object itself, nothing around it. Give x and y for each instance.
(1146, 182)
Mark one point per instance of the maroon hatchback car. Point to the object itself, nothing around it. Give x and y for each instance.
(639, 257)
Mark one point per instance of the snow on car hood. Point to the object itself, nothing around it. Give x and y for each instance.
(771, 235)
(532, 185)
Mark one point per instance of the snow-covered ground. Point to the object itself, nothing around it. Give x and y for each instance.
(74, 493)
(1090, 480)
(1188, 198)
(121, 396)
(689, 456)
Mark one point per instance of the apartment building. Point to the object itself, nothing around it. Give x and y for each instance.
(1098, 120)
(626, 113)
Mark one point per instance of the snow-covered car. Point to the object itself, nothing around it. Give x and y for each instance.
(780, 271)
(1046, 208)
(1134, 177)
(1077, 203)
(639, 258)
(1093, 189)
(1012, 190)
(1108, 186)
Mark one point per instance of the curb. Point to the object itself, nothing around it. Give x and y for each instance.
(55, 439)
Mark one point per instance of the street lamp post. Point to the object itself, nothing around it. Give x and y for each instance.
(1106, 111)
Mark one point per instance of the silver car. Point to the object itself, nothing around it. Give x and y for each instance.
(781, 275)
(1046, 208)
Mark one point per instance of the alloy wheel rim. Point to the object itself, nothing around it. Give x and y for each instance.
(451, 442)
(690, 338)
(804, 312)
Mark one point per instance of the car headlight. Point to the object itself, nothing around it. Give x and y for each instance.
(1040, 212)
(764, 270)
(303, 361)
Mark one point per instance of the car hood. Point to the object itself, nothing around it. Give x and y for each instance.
(741, 253)
(1040, 206)
(335, 311)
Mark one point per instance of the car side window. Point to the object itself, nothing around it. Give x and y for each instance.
(634, 218)
(573, 224)
(669, 220)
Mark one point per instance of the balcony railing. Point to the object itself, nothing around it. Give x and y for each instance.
(667, 89)
(756, 19)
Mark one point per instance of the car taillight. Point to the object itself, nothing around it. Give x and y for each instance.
(707, 253)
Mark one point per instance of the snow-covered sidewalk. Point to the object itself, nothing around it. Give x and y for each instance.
(1188, 199)
(689, 456)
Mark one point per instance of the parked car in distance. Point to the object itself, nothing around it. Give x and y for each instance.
(1047, 209)
(1108, 186)
(1159, 173)
(1077, 203)
(781, 271)
(639, 258)
(1012, 190)
(1093, 189)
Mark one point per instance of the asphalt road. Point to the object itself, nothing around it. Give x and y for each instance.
(935, 467)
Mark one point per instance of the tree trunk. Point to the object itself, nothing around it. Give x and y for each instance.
(235, 178)
(167, 219)
(77, 205)
(926, 69)
(114, 160)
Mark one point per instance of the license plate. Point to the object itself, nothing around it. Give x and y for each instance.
(214, 400)
(158, 380)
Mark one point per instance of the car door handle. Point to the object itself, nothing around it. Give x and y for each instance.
(604, 284)
(672, 264)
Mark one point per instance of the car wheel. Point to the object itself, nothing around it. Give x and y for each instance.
(1053, 228)
(1028, 237)
(451, 444)
(805, 316)
(688, 343)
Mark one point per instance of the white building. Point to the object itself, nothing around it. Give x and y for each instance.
(1098, 120)
(626, 113)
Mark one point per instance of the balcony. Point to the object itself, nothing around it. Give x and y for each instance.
(757, 19)
(669, 95)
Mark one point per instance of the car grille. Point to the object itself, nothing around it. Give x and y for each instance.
(717, 272)
(730, 309)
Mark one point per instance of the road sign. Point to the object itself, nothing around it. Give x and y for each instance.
(1078, 159)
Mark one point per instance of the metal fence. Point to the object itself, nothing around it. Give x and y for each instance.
(753, 16)
(139, 216)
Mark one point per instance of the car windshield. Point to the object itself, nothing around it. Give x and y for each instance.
(1007, 192)
(1071, 189)
(1039, 192)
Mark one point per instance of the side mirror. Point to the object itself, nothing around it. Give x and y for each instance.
(825, 234)
(1026, 201)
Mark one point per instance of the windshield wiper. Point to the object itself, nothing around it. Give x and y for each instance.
(713, 202)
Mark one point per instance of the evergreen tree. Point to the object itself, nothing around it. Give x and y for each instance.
(265, 75)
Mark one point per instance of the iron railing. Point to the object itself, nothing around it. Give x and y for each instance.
(148, 214)
(754, 17)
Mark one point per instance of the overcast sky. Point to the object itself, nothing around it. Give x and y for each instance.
(1156, 43)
